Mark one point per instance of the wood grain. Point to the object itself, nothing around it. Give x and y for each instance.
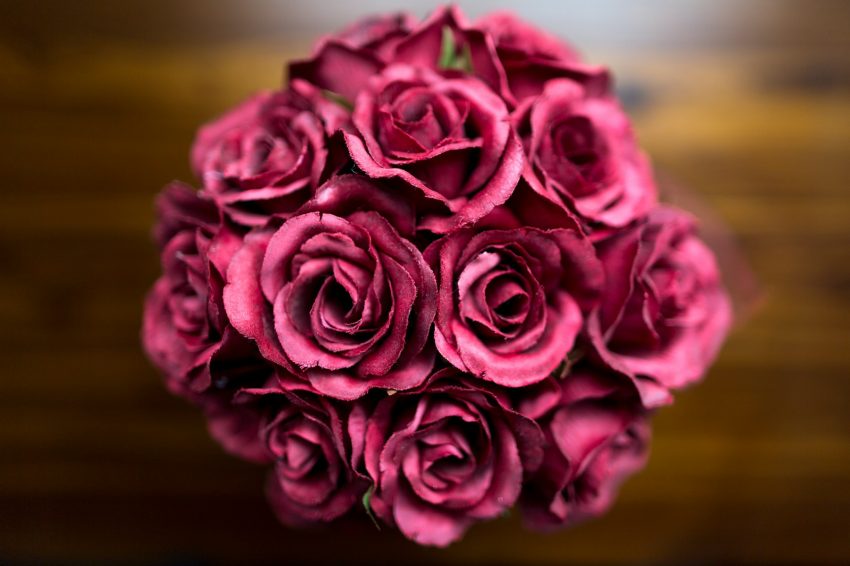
(98, 104)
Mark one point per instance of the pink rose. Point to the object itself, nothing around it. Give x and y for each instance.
(529, 58)
(664, 312)
(582, 150)
(449, 137)
(266, 156)
(512, 302)
(311, 480)
(595, 440)
(512, 34)
(179, 207)
(184, 328)
(342, 300)
(235, 427)
(444, 457)
(375, 34)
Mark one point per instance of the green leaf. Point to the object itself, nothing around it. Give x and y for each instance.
(465, 61)
(367, 505)
(449, 56)
(563, 370)
(448, 49)
(337, 98)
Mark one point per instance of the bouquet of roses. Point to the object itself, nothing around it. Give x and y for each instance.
(430, 277)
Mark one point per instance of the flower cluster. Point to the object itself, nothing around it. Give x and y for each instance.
(430, 276)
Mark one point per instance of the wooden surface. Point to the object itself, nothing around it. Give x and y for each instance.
(750, 108)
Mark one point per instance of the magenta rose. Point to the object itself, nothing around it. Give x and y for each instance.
(235, 427)
(184, 326)
(179, 207)
(342, 300)
(450, 138)
(511, 34)
(582, 150)
(664, 312)
(529, 58)
(596, 438)
(373, 34)
(344, 63)
(266, 156)
(444, 457)
(311, 480)
(512, 302)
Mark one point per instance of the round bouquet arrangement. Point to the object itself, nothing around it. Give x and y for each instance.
(429, 280)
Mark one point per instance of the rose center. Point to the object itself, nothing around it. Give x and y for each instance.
(299, 456)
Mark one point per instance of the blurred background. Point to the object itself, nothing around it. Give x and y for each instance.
(746, 103)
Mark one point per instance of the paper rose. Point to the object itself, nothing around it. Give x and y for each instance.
(428, 280)
(664, 312)
(344, 301)
(512, 302)
(444, 457)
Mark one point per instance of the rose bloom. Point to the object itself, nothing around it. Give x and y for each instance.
(512, 302)
(342, 300)
(449, 137)
(444, 457)
(266, 156)
(664, 312)
(374, 34)
(185, 330)
(343, 62)
(529, 58)
(596, 438)
(311, 480)
(514, 59)
(581, 150)
(235, 427)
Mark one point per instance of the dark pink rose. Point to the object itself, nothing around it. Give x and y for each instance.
(344, 62)
(582, 150)
(450, 138)
(184, 325)
(596, 438)
(179, 207)
(514, 59)
(266, 156)
(511, 34)
(344, 194)
(664, 312)
(236, 427)
(512, 302)
(529, 58)
(444, 457)
(375, 34)
(311, 480)
(343, 300)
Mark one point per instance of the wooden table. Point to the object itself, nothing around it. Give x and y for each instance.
(98, 104)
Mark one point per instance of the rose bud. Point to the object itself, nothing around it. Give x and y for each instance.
(596, 438)
(582, 151)
(512, 302)
(266, 156)
(312, 480)
(342, 300)
(664, 312)
(449, 138)
(444, 457)
(184, 326)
